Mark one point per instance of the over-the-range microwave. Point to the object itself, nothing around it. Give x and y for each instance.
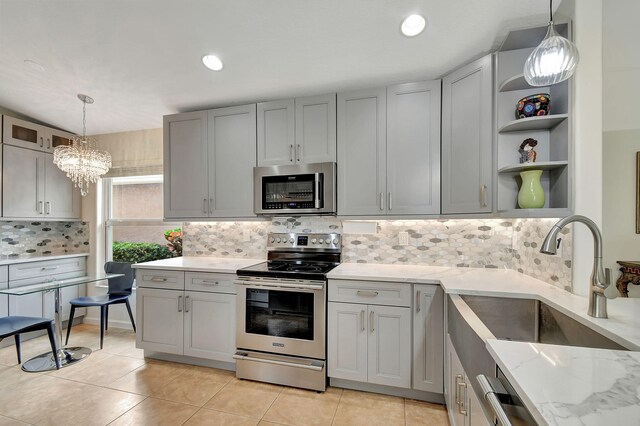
(295, 189)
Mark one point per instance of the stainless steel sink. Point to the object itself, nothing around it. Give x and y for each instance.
(530, 320)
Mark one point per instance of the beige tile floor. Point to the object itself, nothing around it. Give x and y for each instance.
(118, 386)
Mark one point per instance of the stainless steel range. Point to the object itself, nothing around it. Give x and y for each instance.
(281, 311)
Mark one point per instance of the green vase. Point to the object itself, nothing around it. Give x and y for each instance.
(531, 195)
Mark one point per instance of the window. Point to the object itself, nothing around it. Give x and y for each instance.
(134, 228)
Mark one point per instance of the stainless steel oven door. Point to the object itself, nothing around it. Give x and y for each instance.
(281, 316)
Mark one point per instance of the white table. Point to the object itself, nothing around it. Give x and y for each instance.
(67, 355)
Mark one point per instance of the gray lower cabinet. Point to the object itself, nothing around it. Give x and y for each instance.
(428, 338)
(297, 131)
(467, 138)
(209, 160)
(4, 284)
(173, 319)
(389, 150)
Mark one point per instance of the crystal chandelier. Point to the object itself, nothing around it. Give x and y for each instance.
(554, 60)
(81, 160)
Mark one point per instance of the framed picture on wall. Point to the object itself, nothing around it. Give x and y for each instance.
(638, 192)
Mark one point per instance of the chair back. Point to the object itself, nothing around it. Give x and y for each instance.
(120, 285)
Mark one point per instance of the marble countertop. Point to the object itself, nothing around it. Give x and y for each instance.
(5, 260)
(227, 265)
(572, 385)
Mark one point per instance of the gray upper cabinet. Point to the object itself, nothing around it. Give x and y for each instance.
(209, 160)
(413, 148)
(297, 131)
(34, 187)
(186, 191)
(22, 133)
(362, 145)
(467, 132)
(389, 150)
(316, 129)
(232, 157)
(276, 133)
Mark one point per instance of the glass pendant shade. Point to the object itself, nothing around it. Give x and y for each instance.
(554, 60)
(81, 160)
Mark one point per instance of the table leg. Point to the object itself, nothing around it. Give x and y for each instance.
(68, 354)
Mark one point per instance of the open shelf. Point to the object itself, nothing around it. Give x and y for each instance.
(533, 123)
(542, 165)
(516, 82)
(557, 212)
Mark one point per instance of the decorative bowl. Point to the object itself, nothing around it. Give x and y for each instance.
(534, 105)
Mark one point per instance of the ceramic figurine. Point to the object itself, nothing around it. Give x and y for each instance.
(527, 153)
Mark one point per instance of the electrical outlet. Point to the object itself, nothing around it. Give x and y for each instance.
(246, 235)
(403, 238)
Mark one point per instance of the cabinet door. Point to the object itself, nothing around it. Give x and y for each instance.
(160, 320)
(22, 182)
(347, 341)
(316, 129)
(31, 305)
(209, 325)
(54, 138)
(456, 408)
(362, 146)
(186, 191)
(413, 148)
(475, 416)
(4, 305)
(389, 346)
(276, 133)
(428, 338)
(62, 199)
(467, 123)
(22, 133)
(232, 157)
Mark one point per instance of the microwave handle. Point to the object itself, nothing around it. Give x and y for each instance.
(316, 202)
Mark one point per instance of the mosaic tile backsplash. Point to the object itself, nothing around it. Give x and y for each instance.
(477, 243)
(24, 238)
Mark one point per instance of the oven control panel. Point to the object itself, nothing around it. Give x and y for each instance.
(298, 240)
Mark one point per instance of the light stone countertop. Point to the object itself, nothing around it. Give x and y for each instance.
(5, 260)
(560, 385)
(226, 265)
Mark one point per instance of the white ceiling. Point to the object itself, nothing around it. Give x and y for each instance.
(141, 59)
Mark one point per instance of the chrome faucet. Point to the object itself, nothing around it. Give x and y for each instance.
(599, 283)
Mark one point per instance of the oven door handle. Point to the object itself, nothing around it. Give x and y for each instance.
(491, 397)
(276, 362)
(282, 285)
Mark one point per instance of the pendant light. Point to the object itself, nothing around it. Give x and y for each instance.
(554, 60)
(81, 160)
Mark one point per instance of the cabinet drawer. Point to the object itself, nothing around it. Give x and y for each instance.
(212, 283)
(370, 292)
(156, 278)
(4, 275)
(46, 268)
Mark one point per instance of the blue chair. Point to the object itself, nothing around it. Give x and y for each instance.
(119, 292)
(14, 326)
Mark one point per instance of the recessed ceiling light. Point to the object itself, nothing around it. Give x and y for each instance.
(212, 62)
(413, 25)
(33, 65)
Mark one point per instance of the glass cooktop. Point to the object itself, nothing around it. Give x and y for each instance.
(303, 269)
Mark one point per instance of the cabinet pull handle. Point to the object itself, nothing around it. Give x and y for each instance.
(371, 319)
(186, 304)
(48, 207)
(40, 207)
(48, 268)
(457, 392)
(210, 282)
(48, 143)
(204, 205)
(291, 153)
(418, 300)
(461, 403)
(483, 195)
(179, 303)
(381, 201)
(362, 320)
(158, 279)
(298, 149)
(210, 205)
(366, 293)
(41, 141)
(390, 201)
